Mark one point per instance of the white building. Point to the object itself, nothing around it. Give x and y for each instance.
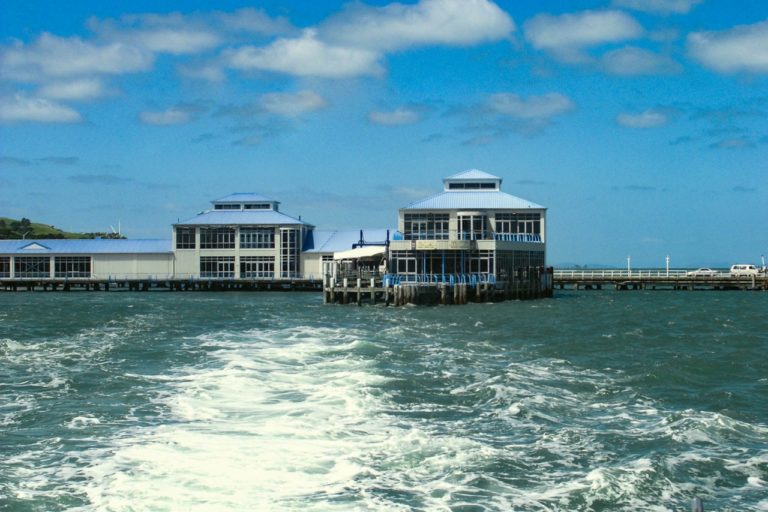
(470, 228)
(244, 236)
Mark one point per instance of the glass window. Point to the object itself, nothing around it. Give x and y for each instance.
(425, 226)
(257, 267)
(289, 252)
(32, 266)
(5, 266)
(217, 238)
(217, 266)
(72, 266)
(257, 238)
(185, 238)
(226, 207)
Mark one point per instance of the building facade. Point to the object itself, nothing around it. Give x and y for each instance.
(470, 228)
(244, 236)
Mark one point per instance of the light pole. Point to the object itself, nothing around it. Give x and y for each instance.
(667, 265)
(629, 266)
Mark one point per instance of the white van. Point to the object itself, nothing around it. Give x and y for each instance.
(743, 270)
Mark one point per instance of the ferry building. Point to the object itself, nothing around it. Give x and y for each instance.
(470, 228)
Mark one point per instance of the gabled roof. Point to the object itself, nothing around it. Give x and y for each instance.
(85, 246)
(472, 174)
(472, 201)
(244, 197)
(341, 240)
(242, 217)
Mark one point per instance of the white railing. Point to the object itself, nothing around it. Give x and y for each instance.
(633, 274)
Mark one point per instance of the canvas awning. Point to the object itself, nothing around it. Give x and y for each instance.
(361, 252)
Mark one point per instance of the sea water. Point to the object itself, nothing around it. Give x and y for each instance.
(602, 400)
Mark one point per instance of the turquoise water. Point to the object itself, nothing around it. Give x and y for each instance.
(272, 401)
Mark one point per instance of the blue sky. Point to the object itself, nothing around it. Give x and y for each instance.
(641, 124)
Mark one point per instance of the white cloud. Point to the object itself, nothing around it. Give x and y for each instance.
(172, 33)
(20, 108)
(396, 26)
(73, 90)
(567, 35)
(658, 6)
(742, 48)
(210, 71)
(649, 119)
(399, 116)
(306, 56)
(53, 56)
(180, 114)
(533, 108)
(292, 104)
(254, 21)
(631, 60)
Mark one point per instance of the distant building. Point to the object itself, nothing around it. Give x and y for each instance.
(471, 227)
(244, 236)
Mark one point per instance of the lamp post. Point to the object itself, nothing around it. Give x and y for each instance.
(667, 258)
(629, 266)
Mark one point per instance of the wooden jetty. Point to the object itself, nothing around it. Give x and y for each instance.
(360, 287)
(655, 280)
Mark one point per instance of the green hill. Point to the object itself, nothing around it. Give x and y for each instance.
(24, 228)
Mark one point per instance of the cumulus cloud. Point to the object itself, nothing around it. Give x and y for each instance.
(534, 107)
(20, 108)
(651, 118)
(172, 33)
(734, 143)
(399, 116)
(631, 60)
(179, 114)
(292, 104)
(73, 90)
(658, 6)
(429, 22)
(568, 35)
(743, 48)
(51, 56)
(306, 56)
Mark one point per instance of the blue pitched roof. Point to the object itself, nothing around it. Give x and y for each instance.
(84, 246)
(464, 200)
(245, 197)
(249, 217)
(341, 240)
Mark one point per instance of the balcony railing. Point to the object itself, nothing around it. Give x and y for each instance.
(469, 235)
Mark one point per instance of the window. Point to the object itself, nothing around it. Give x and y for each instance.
(32, 266)
(5, 266)
(289, 252)
(257, 238)
(473, 227)
(217, 238)
(226, 207)
(425, 226)
(185, 238)
(257, 206)
(257, 267)
(507, 223)
(471, 186)
(72, 266)
(403, 262)
(217, 266)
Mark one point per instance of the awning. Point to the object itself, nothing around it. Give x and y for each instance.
(368, 251)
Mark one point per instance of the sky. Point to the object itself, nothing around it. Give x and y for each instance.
(642, 125)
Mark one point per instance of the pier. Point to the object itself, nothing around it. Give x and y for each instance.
(654, 280)
(360, 287)
(154, 283)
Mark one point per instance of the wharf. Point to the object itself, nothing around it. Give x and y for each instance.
(359, 287)
(158, 284)
(654, 280)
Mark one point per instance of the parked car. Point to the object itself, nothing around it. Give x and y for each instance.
(743, 270)
(702, 272)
